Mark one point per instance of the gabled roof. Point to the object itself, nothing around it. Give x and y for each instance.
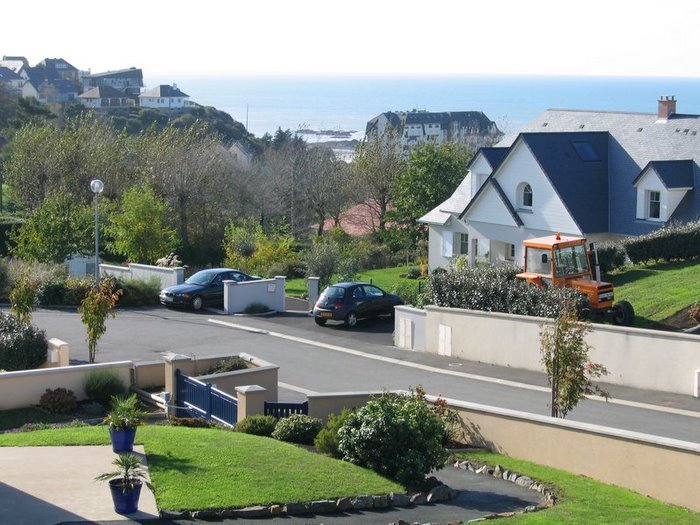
(6, 74)
(130, 72)
(164, 91)
(674, 174)
(493, 156)
(103, 92)
(57, 63)
(456, 203)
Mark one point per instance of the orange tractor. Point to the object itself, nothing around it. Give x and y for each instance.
(564, 261)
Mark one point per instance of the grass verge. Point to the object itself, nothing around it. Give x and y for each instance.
(197, 468)
(385, 278)
(582, 500)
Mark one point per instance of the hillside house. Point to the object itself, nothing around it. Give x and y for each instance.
(106, 97)
(165, 97)
(11, 80)
(472, 128)
(602, 175)
(129, 81)
(53, 80)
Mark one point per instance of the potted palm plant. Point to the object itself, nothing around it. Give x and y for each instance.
(125, 416)
(125, 482)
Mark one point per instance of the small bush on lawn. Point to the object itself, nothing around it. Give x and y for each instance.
(298, 428)
(193, 422)
(327, 439)
(22, 346)
(101, 385)
(229, 364)
(257, 425)
(58, 401)
(138, 292)
(611, 255)
(398, 436)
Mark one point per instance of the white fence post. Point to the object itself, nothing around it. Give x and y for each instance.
(313, 291)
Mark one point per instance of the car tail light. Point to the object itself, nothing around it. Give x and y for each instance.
(338, 306)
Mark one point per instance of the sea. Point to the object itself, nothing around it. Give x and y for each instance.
(333, 108)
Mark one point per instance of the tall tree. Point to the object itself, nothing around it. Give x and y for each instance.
(139, 228)
(564, 353)
(432, 175)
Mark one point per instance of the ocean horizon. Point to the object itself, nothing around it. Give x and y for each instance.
(347, 103)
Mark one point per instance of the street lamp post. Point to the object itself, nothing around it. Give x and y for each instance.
(97, 186)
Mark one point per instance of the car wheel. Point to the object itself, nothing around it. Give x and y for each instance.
(320, 321)
(351, 319)
(197, 303)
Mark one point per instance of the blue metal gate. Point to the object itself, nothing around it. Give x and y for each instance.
(279, 410)
(195, 398)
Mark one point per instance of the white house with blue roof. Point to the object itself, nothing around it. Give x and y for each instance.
(601, 175)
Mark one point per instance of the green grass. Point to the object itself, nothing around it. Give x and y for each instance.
(19, 416)
(385, 278)
(658, 291)
(582, 500)
(197, 468)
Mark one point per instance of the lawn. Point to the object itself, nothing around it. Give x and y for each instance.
(196, 468)
(657, 291)
(385, 278)
(584, 501)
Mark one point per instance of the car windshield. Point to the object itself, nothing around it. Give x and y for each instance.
(202, 278)
(334, 292)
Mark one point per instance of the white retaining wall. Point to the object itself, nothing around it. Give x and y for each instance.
(634, 357)
(270, 292)
(166, 276)
(409, 328)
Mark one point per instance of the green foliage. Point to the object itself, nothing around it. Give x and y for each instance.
(138, 292)
(564, 352)
(230, 364)
(398, 436)
(256, 308)
(672, 242)
(23, 298)
(192, 422)
(102, 385)
(22, 346)
(58, 401)
(327, 440)
(496, 289)
(611, 256)
(139, 229)
(249, 248)
(58, 228)
(257, 425)
(411, 291)
(128, 469)
(298, 428)
(328, 261)
(51, 292)
(7, 225)
(94, 309)
(126, 413)
(432, 174)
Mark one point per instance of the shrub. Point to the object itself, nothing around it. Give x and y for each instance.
(192, 422)
(228, 365)
(102, 385)
(52, 292)
(256, 308)
(22, 346)
(23, 298)
(76, 289)
(694, 312)
(611, 255)
(398, 436)
(327, 439)
(139, 292)
(411, 292)
(38, 272)
(413, 273)
(257, 425)
(496, 289)
(58, 401)
(298, 428)
(672, 242)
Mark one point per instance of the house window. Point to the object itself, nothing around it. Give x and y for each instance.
(463, 244)
(654, 203)
(524, 195)
(510, 252)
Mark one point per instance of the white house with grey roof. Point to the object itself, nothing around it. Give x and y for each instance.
(165, 97)
(597, 174)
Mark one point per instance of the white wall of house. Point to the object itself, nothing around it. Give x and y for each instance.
(669, 199)
(444, 243)
(479, 171)
(163, 102)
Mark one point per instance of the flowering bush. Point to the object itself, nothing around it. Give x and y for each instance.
(58, 401)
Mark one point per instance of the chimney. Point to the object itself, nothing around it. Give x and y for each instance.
(667, 107)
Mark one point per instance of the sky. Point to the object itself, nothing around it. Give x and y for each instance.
(361, 37)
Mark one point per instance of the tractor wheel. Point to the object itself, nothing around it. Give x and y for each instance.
(623, 314)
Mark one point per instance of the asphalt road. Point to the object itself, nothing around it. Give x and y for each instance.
(335, 359)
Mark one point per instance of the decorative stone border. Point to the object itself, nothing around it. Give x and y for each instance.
(328, 506)
(507, 475)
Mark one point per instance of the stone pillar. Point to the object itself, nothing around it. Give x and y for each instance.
(172, 363)
(313, 291)
(60, 351)
(251, 401)
(179, 275)
(280, 281)
(228, 297)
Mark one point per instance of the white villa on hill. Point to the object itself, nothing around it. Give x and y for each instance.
(165, 97)
(596, 174)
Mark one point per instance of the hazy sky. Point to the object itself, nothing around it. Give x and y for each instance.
(302, 37)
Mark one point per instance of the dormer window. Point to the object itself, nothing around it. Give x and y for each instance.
(654, 205)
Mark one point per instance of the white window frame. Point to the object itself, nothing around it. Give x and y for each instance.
(649, 202)
(520, 197)
(447, 243)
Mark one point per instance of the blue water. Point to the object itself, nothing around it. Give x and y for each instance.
(347, 103)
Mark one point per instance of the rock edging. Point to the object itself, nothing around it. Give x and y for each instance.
(327, 506)
(498, 471)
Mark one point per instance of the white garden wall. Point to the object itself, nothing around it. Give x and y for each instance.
(239, 295)
(166, 276)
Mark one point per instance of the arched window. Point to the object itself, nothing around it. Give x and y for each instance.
(524, 195)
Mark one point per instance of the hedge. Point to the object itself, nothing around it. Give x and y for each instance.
(672, 242)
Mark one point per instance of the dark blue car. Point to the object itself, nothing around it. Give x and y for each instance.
(203, 288)
(349, 302)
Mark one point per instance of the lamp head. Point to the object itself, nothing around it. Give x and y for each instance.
(97, 186)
